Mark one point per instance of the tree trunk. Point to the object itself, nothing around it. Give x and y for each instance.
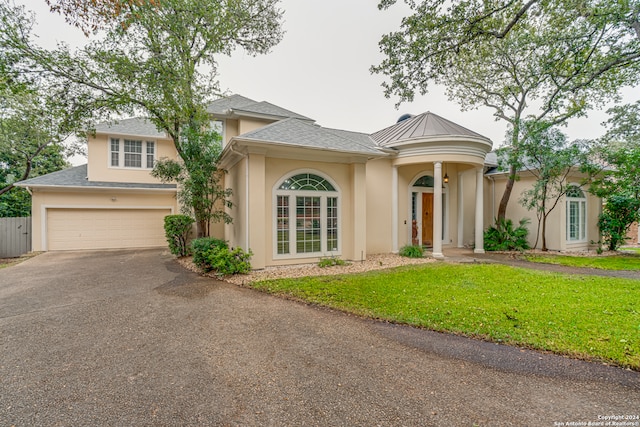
(544, 234)
(502, 208)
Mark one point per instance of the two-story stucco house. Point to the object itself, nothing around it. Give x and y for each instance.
(300, 191)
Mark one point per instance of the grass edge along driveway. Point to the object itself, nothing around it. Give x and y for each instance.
(585, 317)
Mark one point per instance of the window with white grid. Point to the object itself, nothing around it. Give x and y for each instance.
(307, 221)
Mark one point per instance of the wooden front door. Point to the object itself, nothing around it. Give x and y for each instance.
(427, 219)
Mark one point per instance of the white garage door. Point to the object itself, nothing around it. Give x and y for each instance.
(69, 229)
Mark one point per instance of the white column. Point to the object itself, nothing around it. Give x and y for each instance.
(479, 249)
(437, 210)
(394, 209)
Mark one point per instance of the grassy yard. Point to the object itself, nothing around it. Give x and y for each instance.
(586, 317)
(623, 261)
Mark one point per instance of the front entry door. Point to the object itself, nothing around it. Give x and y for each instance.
(427, 219)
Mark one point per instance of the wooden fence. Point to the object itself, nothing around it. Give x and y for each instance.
(15, 236)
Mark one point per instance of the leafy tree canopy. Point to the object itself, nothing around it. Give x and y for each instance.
(156, 58)
(541, 60)
(556, 165)
(619, 150)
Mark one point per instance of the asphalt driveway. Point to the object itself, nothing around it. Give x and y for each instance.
(124, 338)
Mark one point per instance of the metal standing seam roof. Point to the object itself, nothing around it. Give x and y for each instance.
(304, 134)
(77, 177)
(421, 126)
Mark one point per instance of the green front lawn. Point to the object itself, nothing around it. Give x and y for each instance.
(586, 317)
(630, 261)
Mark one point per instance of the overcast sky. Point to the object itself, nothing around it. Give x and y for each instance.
(321, 70)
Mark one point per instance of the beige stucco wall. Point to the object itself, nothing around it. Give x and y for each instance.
(265, 174)
(379, 213)
(235, 233)
(98, 199)
(247, 124)
(557, 219)
(99, 168)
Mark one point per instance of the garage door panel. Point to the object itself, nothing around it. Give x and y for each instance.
(69, 229)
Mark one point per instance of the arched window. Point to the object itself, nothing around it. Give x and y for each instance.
(576, 214)
(424, 181)
(306, 216)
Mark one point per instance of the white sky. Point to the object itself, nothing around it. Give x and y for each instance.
(321, 69)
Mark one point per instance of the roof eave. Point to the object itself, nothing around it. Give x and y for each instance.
(94, 188)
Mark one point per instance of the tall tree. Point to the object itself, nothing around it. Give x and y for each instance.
(37, 117)
(158, 59)
(91, 16)
(619, 148)
(536, 60)
(552, 160)
(199, 178)
(619, 186)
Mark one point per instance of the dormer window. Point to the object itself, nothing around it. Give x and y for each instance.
(131, 153)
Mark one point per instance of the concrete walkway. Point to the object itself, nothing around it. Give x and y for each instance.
(122, 338)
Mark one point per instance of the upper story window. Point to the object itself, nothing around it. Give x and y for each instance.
(218, 126)
(131, 153)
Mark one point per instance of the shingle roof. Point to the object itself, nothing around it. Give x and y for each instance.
(223, 105)
(135, 126)
(421, 126)
(77, 177)
(240, 104)
(302, 133)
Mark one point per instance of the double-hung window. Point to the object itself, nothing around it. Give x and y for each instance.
(306, 217)
(131, 153)
(576, 214)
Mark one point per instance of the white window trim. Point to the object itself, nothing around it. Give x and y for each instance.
(584, 214)
(292, 217)
(145, 142)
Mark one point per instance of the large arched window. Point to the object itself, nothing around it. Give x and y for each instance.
(306, 216)
(576, 214)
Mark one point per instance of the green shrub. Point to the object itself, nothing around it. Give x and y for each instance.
(617, 216)
(331, 261)
(202, 247)
(504, 237)
(211, 254)
(412, 251)
(177, 229)
(225, 261)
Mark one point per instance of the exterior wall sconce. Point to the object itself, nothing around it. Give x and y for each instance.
(445, 179)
